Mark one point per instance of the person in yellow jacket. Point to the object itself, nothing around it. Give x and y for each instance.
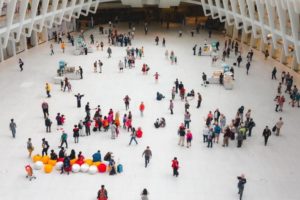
(62, 46)
(48, 89)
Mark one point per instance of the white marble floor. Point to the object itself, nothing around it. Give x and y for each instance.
(272, 172)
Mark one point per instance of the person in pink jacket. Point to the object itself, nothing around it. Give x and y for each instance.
(189, 137)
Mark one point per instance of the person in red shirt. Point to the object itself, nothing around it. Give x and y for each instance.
(156, 75)
(142, 108)
(175, 166)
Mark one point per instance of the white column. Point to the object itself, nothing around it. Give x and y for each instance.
(283, 58)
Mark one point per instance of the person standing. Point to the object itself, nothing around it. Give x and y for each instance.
(45, 108)
(210, 137)
(164, 42)
(48, 124)
(171, 106)
(21, 63)
(189, 137)
(148, 154)
(133, 136)
(181, 133)
(274, 71)
(156, 75)
(30, 147)
(241, 184)
(173, 92)
(204, 79)
(187, 119)
(63, 139)
(102, 193)
(199, 100)
(51, 50)
(144, 195)
(176, 85)
(279, 125)
(45, 147)
(126, 101)
(142, 108)
(63, 46)
(239, 60)
(76, 134)
(81, 72)
(78, 97)
(266, 133)
(109, 51)
(48, 89)
(175, 166)
(266, 54)
(13, 128)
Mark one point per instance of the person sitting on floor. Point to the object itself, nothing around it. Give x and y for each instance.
(159, 96)
(156, 124)
(162, 122)
(191, 93)
(97, 156)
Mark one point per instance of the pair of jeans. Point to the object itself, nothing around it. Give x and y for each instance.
(133, 138)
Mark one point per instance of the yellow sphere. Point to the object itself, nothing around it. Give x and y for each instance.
(45, 159)
(52, 162)
(88, 161)
(36, 158)
(48, 168)
(96, 163)
(73, 161)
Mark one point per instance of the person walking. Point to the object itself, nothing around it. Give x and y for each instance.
(48, 89)
(133, 136)
(45, 147)
(171, 106)
(266, 134)
(210, 137)
(175, 166)
(241, 185)
(78, 98)
(176, 85)
(21, 63)
(204, 79)
(248, 67)
(239, 60)
(278, 126)
(48, 124)
(63, 139)
(148, 155)
(102, 194)
(30, 147)
(45, 108)
(199, 100)
(142, 108)
(13, 128)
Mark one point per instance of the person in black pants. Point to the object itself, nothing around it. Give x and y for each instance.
(78, 97)
(21, 64)
(266, 134)
(274, 71)
(199, 100)
(45, 147)
(241, 185)
(176, 85)
(148, 154)
(81, 71)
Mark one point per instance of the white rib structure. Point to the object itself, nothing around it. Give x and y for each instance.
(275, 22)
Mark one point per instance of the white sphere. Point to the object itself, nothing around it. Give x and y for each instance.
(75, 168)
(38, 165)
(93, 169)
(59, 165)
(84, 168)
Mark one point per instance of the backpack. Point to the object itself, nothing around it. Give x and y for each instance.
(120, 168)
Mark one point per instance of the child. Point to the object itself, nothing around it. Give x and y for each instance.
(69, 87)
(189, 138)
(62, 119)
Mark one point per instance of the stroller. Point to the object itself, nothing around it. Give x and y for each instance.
(29, 171)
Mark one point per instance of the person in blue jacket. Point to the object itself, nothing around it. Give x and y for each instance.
(97, 156)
